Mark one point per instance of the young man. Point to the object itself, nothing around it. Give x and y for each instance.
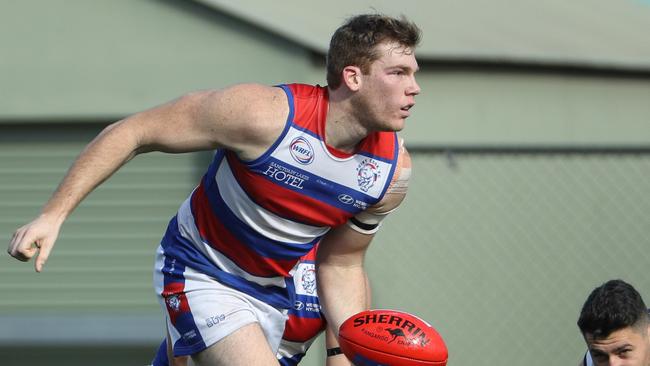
(296, 165)
(615, 324)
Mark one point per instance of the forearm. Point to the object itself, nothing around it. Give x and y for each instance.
(343, 285)
(348, 294)
(99, 160)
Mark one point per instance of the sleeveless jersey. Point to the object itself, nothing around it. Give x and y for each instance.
(248, 223)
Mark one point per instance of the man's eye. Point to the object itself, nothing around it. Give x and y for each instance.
(625, 352)
(599, 356)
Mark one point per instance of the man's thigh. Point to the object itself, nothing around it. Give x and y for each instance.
(201, 312)
(245, 347)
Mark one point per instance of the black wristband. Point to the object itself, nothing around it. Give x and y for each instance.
(334, 351)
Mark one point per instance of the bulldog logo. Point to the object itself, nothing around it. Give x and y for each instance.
(367, 174)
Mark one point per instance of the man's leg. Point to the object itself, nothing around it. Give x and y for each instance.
(245, 347)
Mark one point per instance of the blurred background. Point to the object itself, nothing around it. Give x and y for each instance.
(530, 144)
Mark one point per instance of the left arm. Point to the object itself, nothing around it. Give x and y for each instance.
(343, 286)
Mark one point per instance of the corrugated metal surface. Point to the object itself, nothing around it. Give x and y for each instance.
(104, 256)
(588, 32)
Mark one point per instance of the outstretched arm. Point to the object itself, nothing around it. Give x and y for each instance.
(343, 286)
(244, 118)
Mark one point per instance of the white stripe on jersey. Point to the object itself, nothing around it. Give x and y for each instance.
(188, 230)
(259, 219)
(329, 166)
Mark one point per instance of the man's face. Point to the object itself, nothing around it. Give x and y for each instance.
(625, 347)
(388, 90)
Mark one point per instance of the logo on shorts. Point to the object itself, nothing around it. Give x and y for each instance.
(367, 173)
(214, 320)
(174, 302)
(301, 151)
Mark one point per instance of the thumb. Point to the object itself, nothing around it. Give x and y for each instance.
(44, 252)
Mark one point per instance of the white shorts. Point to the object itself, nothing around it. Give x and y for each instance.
(201, 311)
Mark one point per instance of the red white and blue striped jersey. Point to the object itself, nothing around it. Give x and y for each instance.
(248, 223)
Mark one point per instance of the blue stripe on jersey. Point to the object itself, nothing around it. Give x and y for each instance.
(293, 361)
(320, 188)
(304, 299)
(262, 245)
(308, 302)
(177, 247)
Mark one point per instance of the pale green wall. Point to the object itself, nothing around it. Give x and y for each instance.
(89, 59)
(515, 108)
(500, 240)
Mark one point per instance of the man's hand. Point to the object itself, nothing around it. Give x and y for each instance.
(36, 237)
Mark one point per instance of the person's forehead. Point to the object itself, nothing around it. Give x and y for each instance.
(396, 54)
(616, 339)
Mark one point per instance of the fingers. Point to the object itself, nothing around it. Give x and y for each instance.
(24, 246)
(44, 253)
(20, 247)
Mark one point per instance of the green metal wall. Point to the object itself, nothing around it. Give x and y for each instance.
(497, 251)
(103, 259)
(107, 58)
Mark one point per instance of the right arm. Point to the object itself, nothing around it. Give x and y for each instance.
(245, 119)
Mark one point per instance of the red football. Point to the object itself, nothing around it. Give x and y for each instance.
(391, 338)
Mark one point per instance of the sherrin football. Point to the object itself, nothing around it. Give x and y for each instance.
(391, 338)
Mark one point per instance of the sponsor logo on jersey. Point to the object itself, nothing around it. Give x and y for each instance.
(346, 199)
(298, 305)
(367, 173)
(286, 175)
(301, 151)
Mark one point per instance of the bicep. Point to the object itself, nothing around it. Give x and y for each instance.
(241, 118)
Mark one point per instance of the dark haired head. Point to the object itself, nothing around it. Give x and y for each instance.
(610, 307)
(354, 43)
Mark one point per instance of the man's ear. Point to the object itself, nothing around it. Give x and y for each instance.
(352, 77)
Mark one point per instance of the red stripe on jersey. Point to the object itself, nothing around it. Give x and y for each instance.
(310, 105)
(310, 112)
(382, 145)
(220, 238)
(285, 202)
(299, 329)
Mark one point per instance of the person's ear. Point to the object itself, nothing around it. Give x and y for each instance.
(352, 77)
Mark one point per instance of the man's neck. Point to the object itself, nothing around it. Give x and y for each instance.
(343, 129)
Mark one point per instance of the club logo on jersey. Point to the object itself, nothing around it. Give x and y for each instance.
(301, 151)
(174, 302)
(367, 174)
(346, 199)
(308, 280)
